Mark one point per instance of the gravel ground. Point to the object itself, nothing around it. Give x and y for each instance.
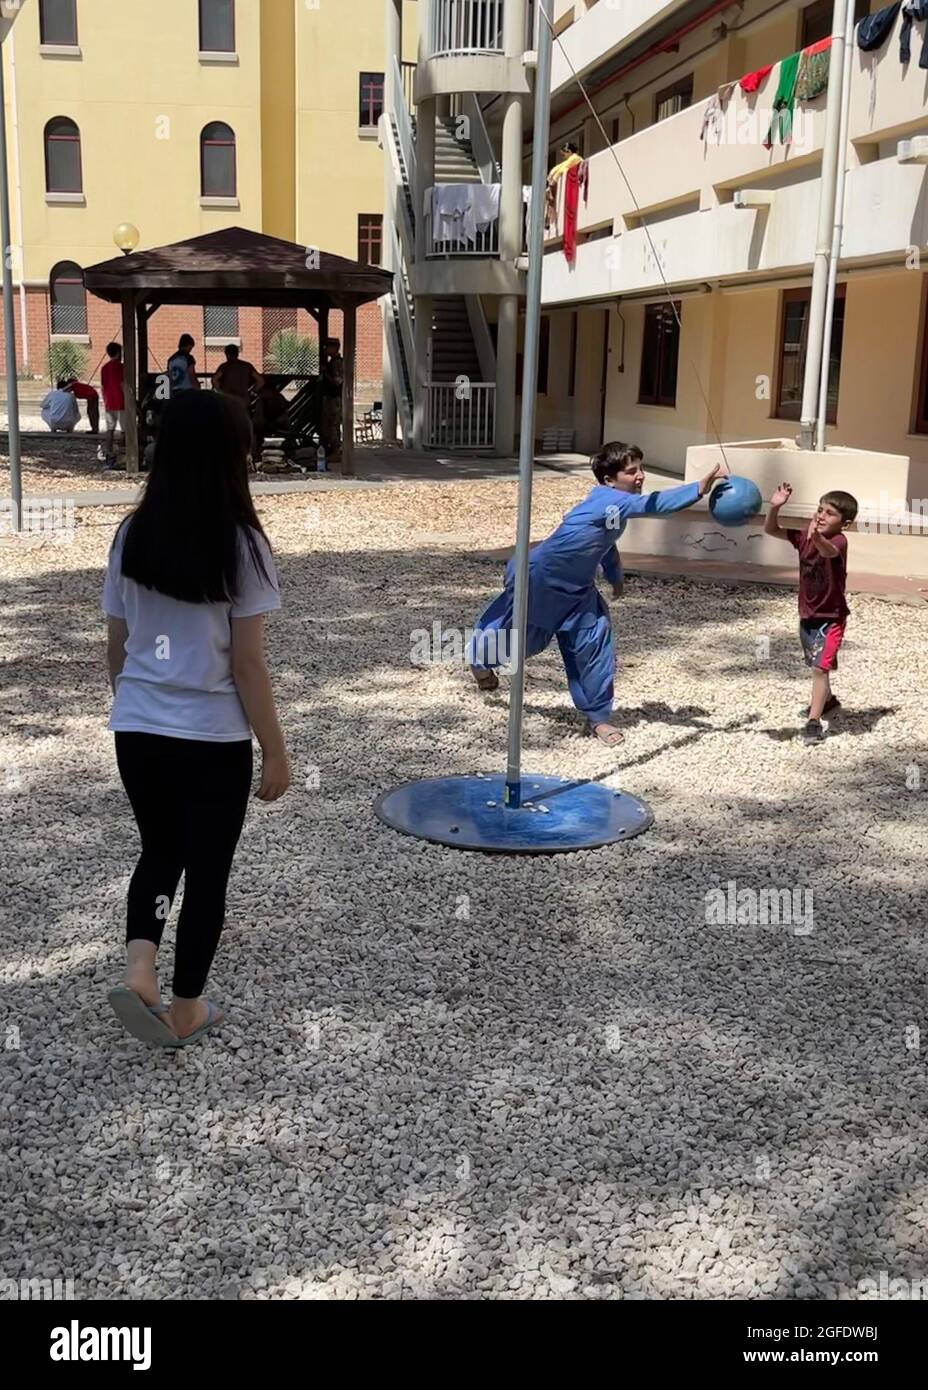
(447, 1075)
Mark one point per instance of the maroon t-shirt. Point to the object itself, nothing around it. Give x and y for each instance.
(821, 581)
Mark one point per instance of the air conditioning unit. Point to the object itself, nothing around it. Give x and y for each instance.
(753, 197)
(914, 151)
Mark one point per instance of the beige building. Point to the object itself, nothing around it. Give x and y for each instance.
(198, 115)
(683, 189)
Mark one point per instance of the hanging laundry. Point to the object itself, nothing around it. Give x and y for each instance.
(812, 78)
(583, 175)
(550, 207)
(916, 9)
(571, 204)
(873, 29)
(482, 209)
(447, 204)
(751, 80)
(781, 124)
(713, 116)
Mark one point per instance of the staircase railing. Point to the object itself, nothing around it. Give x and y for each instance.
(461, 416)
(401, 293)
(466, 26)
(480, 141)
(404, 126)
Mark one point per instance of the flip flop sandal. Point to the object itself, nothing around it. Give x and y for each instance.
(611, 737)
(214, 1016)
(142, 1021)
(487, 680)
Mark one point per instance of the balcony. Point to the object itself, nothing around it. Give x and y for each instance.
(459, 27)
(684, 189)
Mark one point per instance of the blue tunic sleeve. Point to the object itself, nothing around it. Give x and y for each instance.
(612, 566)
(671, 499)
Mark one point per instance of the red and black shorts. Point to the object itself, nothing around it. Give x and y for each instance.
(820, 642)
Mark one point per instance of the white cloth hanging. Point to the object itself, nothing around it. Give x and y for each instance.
(482, 210)
(448, 202)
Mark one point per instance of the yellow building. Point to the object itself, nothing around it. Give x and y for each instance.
(183, 119)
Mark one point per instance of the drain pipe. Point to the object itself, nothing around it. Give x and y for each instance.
(838, 231)
(826, 219)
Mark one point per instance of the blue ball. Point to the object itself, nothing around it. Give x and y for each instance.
(734, 501)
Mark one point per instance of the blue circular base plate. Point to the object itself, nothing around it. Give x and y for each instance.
(557, 814)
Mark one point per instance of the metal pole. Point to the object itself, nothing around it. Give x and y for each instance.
(9, 324)
(838, 231)
(513, 791)
(826, 217)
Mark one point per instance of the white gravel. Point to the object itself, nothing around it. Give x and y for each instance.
(450, 1075)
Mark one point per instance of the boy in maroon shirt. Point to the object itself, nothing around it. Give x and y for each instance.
(823, 608)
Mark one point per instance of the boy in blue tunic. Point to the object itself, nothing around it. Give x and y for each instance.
(563, 600)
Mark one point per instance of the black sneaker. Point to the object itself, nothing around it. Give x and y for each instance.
(832, 705)
(815, 731)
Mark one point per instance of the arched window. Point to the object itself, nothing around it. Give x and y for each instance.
(68, 298)
(217, 26)
(58, 23)
(217, 161)
(62, 156)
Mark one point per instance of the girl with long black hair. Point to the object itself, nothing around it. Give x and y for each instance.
(189, 579)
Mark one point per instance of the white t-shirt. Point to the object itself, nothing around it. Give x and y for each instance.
(177, 677)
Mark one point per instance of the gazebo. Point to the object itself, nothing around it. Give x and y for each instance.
(234, 267)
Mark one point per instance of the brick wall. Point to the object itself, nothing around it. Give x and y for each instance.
(256, 327)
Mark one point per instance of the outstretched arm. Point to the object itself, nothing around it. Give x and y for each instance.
(779, 499)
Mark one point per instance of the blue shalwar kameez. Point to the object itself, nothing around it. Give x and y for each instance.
(563, 600)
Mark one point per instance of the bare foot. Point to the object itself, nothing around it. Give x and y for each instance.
(185, 1016)
(142, 979)
(486, 679)
(609, 735)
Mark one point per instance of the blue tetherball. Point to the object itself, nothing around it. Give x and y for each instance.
(734, 501)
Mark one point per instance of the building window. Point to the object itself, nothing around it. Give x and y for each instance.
(58, 23)
(794, 328)
(68, 299)
(371, 99)
(370, 237)
(572, 363)
(817, 20)
(220, 321)
(217, 161)
(674, 98)
(217, 26)
(660, 351)
(62, 156)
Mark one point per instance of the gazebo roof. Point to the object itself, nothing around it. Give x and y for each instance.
(236, 266)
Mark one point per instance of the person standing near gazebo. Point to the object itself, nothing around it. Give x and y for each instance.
(182, 367)
(333, 377)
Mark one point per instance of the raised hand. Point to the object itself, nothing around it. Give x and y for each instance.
(783, 493)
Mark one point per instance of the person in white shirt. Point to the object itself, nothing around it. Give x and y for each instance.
(189, 579)
(60, 410)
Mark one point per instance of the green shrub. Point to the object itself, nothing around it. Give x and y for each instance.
(66, 359)
(289, 351)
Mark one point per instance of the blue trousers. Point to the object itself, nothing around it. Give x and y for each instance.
(583, 629)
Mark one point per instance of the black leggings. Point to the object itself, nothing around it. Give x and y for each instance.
(189, 798)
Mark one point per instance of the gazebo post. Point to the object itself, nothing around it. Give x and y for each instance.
(130, 392)
(142, 315)
(349, 319)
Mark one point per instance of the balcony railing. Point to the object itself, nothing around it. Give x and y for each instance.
(466, 26)
(462, 235)
(461, 415)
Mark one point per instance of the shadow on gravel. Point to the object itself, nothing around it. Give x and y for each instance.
(441, 1070)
